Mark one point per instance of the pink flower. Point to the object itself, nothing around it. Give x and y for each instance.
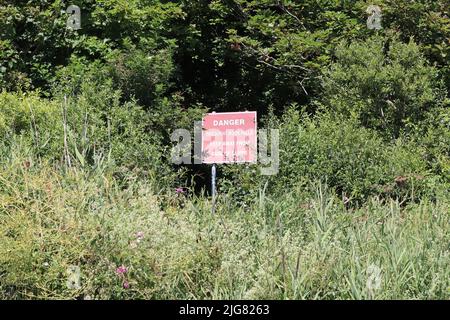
(121, 270)
(126, 285)
(179, 190)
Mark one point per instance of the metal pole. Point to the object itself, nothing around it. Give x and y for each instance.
(213, 187)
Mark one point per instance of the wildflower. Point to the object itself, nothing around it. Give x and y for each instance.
(121, 270)
(126, 285)
(179, 190)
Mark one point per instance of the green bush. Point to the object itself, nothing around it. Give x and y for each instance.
(97, 126)
(355, 161)
(104, 119)
(383, 83)
(37, 119)
(433, 135)
(143, 75)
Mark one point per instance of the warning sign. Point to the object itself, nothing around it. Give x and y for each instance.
(229, 137)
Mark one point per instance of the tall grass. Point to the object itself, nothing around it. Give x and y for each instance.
(305, 245)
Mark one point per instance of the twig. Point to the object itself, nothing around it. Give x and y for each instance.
(282, 67)
(282, 7)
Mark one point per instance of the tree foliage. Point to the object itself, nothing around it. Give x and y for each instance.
(229, 54)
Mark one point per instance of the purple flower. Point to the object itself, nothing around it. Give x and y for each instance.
(179, 190)
(126, 285)
(121, 270)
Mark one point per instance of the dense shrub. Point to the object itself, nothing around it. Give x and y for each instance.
(143, 75)
(97, 126)
(37, 119)
(383, 83)
(355, 161)
(433, 135)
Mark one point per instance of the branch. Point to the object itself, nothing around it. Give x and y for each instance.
(287, 67)
(282, 7)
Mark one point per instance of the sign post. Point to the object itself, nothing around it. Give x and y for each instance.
(213, 188)
(229, 137)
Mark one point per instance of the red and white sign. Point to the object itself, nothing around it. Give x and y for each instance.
(229, 137)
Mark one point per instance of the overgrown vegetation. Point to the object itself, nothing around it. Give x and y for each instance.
(86, 181)
(305, 244)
